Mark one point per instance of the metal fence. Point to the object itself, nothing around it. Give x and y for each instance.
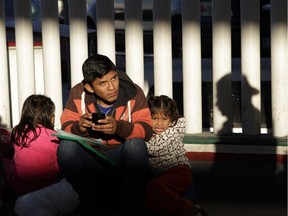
(28, 67)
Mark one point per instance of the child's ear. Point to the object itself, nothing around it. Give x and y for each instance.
(89, 88)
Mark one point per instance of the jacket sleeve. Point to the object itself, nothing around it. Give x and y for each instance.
(141, 124)
(72, 112)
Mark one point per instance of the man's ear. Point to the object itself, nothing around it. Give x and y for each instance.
(88, 87)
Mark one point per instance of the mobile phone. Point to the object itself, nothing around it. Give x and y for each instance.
(97, 116)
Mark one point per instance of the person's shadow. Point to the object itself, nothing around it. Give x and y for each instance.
(240, 174)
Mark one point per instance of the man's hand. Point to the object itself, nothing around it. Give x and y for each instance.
(85, 122)
(107, 126)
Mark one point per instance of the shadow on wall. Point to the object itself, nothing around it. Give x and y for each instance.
(244, 176)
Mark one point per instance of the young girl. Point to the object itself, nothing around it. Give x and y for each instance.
(34, 164)
(33, 172)
(171, 168)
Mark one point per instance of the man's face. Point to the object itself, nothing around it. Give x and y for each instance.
(106, 88)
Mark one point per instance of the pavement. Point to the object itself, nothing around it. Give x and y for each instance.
(241, 189)
(228, 189)
(217, 207)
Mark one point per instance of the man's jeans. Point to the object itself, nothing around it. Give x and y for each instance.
(97, 182)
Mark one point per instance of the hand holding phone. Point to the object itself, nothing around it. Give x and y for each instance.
(96, 117)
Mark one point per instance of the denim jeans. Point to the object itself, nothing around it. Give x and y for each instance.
(56, 199)
(97, 182)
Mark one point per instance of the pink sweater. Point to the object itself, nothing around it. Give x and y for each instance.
(34, 167)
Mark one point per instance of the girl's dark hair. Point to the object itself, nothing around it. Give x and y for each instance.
(37, 111)
(165, 105)
(96, 66)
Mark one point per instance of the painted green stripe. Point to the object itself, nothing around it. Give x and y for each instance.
(235, 139)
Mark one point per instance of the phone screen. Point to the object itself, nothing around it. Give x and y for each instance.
(97, 116)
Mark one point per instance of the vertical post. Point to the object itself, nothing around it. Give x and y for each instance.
(24, 50)
(78, 38)
(39, 70)
(192, 82)
(222, 97)
(5, 113)
(162, 48)
(13, 82)
(51, 56)
(279, 71)
(134, 41)
(250, 67)
(105, 28)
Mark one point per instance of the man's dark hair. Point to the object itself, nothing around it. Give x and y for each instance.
(96, 66)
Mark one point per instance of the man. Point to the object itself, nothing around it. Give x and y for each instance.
(126, 127)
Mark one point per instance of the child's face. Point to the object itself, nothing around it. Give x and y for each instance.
(160, 122)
